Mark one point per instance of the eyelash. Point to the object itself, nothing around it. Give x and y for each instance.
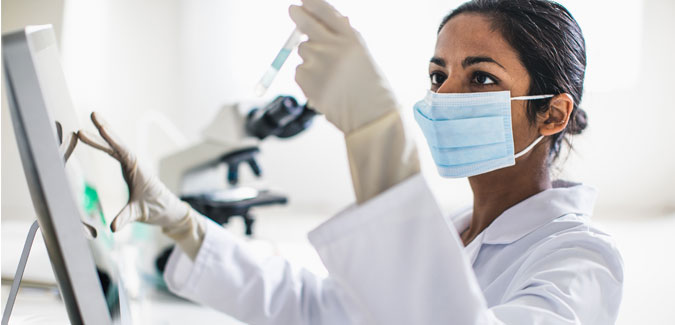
(477, 74)
(483, 74)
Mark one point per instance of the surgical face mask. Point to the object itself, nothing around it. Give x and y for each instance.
(470, 133)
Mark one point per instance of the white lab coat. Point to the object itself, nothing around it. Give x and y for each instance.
(396, 260)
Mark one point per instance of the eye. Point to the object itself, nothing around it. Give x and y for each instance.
(483, 79)
(437, 78)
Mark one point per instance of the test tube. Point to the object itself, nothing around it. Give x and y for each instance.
(279, 60)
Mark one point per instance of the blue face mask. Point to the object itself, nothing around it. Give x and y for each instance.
(470, 133)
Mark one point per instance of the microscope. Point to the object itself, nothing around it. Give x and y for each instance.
(231, 141)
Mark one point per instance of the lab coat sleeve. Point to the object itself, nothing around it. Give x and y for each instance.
(226, 277)
(398, 259)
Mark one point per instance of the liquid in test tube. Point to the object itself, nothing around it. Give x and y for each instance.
(279, 60)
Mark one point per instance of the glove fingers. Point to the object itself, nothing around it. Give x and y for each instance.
(89, 231)
(307, 52)
(126, 216)
(107, 134)
(68, 146)
(326, 14)
(308, 24)
(95, 141)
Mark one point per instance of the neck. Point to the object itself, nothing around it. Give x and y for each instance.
(497, 191)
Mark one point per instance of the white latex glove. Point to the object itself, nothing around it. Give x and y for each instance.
(67, 145)
(340, 80)
(338, 75)
(149, 200)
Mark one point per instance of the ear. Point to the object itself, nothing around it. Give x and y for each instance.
(555, 119)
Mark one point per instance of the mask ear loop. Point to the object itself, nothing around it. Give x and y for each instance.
(531, 97)
(534, 143)
(526, 150)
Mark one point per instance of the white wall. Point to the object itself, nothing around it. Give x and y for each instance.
(628, 151)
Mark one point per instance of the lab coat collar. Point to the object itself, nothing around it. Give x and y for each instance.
(532, 213)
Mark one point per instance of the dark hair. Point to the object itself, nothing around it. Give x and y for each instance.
(550, 45)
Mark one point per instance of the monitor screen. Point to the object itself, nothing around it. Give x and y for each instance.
(76, 233)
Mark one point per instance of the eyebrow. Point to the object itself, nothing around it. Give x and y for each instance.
(469, 60)
(437, 61)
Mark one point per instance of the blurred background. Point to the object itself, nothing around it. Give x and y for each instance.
(160, 71)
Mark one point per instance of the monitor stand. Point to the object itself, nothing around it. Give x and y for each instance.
(19, 272)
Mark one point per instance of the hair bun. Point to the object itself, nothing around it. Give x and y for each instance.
(578, 122)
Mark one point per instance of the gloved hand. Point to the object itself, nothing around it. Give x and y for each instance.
(149, 200)
(338, 75)
(340, 80)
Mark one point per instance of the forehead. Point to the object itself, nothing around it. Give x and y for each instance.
(470, 34)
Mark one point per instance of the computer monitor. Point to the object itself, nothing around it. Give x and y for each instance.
(38, 98)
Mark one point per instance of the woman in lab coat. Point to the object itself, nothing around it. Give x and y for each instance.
(506, 81)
